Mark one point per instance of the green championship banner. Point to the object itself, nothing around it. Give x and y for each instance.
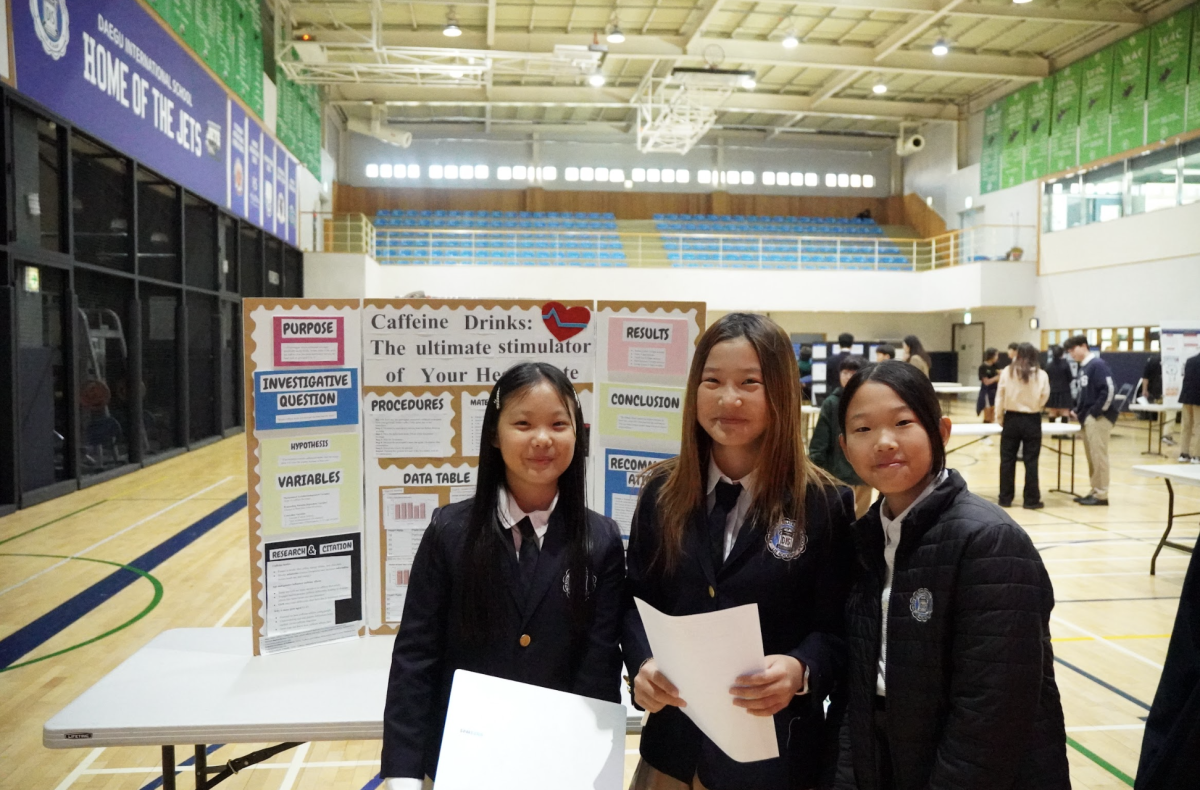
(1129, 92)
(993, 147)
(1166, 96)
(1064, 127)
(1012, 168)
(299, 124)
(1037, 128)
(1094, 105)
(1193, 108)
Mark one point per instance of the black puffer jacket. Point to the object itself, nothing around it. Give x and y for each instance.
(971, 698)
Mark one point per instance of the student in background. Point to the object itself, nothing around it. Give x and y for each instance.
(1021, 393)
(916, 355)
(989, 376)
(740, 517)
(834, 363)
(804, 366)
(1096, 410)
(885, 352)
(521, 582)
(824, 449)
(1189, 399)
(951, 678)
(1058, 370)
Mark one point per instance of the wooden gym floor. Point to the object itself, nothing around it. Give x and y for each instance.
(182, 522)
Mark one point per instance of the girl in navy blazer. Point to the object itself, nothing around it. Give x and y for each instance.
(740, 517)
(521, 582)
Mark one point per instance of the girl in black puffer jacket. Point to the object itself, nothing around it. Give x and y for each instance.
(950, 684)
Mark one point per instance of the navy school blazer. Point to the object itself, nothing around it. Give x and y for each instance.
(533, 643)
(801, 612)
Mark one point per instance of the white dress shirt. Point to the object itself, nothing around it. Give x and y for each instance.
(891, 541)
(733, 522)
(510, 514)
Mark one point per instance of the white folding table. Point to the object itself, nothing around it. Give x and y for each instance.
(1160, 412)
(203, 685)
(951, 390)
(1055, 430)
(1179, 474)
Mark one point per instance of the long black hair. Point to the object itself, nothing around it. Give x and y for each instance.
(487, 541)
(917, 349)
(917, 392)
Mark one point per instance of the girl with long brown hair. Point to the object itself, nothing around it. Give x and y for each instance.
(1023, 390)
(741, 517)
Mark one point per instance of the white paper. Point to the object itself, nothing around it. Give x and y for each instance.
(489, 726)
(623, 508)
(819, 371)
(472, 408)
(819, 351)
(647, 358)
(703, 655)
(413, 435)
(310, 508)
(640, 423)
(857, 349)
(301, 593)
(461, 493)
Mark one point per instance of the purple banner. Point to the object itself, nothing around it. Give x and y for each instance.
(293, 218)
(110, 68)
(239, 164)
(268, 193)
(254, 202)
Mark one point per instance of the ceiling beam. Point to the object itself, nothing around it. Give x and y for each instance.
(1083, 16)
(706, 18)
(835, 85)
(914, 28)
(491, 24)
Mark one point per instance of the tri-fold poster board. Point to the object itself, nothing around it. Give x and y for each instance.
(364, 416)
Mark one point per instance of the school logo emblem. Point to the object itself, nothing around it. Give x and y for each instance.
(51, 23)
(921, 605)
(786, 542)
(592, 581)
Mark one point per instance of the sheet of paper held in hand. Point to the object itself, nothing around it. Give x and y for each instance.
(505, 735)
(703, 654)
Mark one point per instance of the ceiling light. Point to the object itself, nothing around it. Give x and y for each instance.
(452, 30)
(1021, 2)
(456, 75)
(615, 36)
(596, 80)
(749, 83)
(940, 47)
(879, 88)
(790, 41)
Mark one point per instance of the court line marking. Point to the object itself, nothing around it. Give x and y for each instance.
(234, 610)
(294, 767)
(1108, 727)
(259, 767)
(1100, 761)
(114, 535)
(83, 766)
(1115, 600)
(1103, 683)
(1104, 640)
(1122, 636)
(51, 521)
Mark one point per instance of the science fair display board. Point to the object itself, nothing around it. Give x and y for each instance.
(644, 352)
(366, 416)
(304, 470)
(1180, 340)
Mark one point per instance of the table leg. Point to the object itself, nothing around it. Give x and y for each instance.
(1170, 523)
(201, 767)
(168, 767)
(1150, 436)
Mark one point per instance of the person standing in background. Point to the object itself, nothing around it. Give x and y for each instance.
(989, 376)
(1058, 369)
(1189, 399)
(1021, 392)
(804, 367)
(834, 363)
(885, 352)
(916, 355)
(1096, 410)
(826, 452)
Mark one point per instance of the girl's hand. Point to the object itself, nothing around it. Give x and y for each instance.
(652, 691)
(768, 692)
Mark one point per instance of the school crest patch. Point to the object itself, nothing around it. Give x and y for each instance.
(786, 541)
(921, 605)
(51, 24)
(592, 581)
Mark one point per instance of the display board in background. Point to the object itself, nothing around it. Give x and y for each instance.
(1012, 168)
(1130, 68)
(428, 369)
(304, 471)
(1095, 103)
(1037, 129)
(1179, 341)
(644, 354)
(1166, 95)
(993, 148)
(1064, 126)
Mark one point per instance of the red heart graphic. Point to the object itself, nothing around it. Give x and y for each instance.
(564, 322)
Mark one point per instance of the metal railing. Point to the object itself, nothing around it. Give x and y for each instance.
(613, 248)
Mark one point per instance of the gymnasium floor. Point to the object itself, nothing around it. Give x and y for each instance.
(69, 614)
